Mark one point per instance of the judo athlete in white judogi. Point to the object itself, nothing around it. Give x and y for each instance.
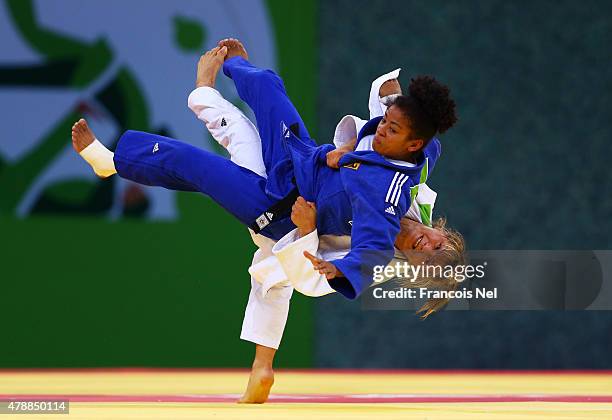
(279, 267)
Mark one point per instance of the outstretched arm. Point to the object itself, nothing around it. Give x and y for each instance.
(376, 216)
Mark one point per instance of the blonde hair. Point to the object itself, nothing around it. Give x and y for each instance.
(452, 254)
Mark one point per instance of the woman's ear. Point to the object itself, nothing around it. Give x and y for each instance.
(415, 145)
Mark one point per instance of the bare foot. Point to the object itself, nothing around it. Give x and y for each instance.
(82, 136)
(260, 383)
(234, 48)
(97, 156)
(209, 66)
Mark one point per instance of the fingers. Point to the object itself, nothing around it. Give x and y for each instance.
(302, 203)
(331, 274)
(332, 159)
(318, 264)
(314, 260)
(323, 267)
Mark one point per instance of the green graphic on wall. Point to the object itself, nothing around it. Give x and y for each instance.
(109, 90)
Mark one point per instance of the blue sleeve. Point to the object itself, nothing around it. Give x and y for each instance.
(432, 152)
(372, 237)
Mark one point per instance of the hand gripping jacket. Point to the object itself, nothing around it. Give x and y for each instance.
(369, 196)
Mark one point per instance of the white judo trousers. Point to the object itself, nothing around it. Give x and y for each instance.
(280, 267)
(266, 312)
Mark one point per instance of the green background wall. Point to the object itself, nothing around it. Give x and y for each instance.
(90, 292)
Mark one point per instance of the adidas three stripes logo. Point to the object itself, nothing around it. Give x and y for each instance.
(395, 189)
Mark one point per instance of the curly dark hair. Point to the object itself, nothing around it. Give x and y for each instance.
(428, 107)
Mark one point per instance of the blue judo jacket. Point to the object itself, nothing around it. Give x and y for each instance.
(366, 199)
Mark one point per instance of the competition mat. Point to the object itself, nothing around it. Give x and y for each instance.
(306, 394)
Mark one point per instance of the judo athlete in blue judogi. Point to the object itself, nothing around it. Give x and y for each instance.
(365, 198)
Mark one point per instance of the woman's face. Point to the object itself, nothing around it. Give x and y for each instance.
(415, 236)
(393, 138)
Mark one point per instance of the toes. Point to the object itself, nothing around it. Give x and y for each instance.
(229, 42)
(80, 126)
(211, 52)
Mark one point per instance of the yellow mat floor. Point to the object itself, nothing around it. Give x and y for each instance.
(304, 383)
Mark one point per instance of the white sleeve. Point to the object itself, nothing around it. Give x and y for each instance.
(375, 104)
(229, 127)
(290, 253)
(347, 129)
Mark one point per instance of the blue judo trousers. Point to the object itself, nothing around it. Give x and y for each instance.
(365, 198)
(156, 160)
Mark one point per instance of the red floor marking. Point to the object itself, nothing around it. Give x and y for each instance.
(314, 398)
(324, 371)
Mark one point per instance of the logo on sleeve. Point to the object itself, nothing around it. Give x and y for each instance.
(223, 122)
(155, 148)
(284, 130)
(390, 210)
(395, 189)
(354, 165)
